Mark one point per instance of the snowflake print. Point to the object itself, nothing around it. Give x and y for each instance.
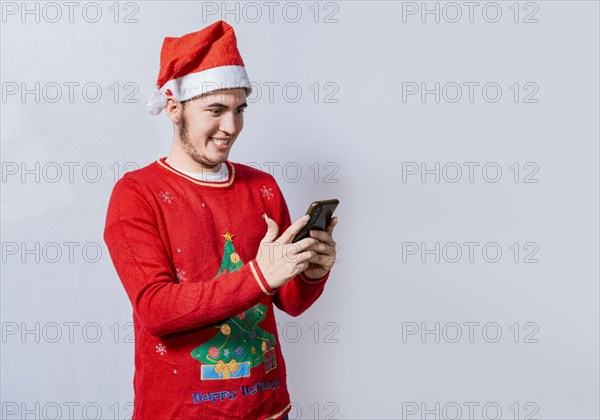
(242, 316)
(161, 348)
(266, 192)
(226, 352)
(239, 351)
(166, 197)
(180, 274)
(253, 334)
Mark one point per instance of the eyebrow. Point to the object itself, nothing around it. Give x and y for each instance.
(220, 105)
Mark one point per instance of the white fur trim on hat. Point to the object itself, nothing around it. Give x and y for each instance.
(195, 84)
(156, 102)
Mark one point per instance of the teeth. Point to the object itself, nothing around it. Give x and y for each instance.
(220, 142)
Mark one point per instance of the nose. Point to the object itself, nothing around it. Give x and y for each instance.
(229, 123)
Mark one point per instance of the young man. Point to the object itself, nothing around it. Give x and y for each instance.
(202, 246)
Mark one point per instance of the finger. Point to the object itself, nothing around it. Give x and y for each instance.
(322, 248)
(316, 260)
(332, 223)
(292, 250)
(300, 258)
(325, 249)
(292, 253)
(305, 256)
(272, 229)
(287, 236)
(307, 243)
(324, 261)
(322, 236)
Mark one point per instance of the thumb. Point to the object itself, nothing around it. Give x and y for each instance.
(272, 229)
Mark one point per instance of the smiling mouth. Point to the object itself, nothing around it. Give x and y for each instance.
(220, 142)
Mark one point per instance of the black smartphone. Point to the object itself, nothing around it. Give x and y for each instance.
(320, 213)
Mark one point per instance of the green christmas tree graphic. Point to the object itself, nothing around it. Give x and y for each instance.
(231, 259)
(239, 343)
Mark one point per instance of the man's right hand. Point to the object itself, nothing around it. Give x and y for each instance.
(279, 259)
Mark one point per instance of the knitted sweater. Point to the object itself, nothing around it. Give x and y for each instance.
(206, 344)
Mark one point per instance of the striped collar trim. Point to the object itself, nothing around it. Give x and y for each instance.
(217, 184)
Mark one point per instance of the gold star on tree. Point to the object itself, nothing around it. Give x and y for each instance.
(228, 236)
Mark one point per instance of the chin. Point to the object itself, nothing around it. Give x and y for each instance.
(218, 160)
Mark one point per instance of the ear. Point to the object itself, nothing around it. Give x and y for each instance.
(174, 110)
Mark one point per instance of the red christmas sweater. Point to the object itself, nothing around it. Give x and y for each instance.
(206, 343)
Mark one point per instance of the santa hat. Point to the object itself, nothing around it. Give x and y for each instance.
(198, 63)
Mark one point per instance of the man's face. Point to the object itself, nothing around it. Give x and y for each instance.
(210, 124)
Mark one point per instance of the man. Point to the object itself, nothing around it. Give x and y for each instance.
(187, 237)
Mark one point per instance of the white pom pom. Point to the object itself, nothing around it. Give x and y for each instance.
(156, 102)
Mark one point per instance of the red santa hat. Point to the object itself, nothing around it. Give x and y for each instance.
(198, 63)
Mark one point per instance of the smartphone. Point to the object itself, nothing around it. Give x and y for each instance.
(320, 213)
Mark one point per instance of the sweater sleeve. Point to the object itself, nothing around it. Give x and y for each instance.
(162, 304)
(298, 294)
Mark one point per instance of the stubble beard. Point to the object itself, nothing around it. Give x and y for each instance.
(189, 148)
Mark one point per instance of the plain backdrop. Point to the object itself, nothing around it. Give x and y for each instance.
(464, 153)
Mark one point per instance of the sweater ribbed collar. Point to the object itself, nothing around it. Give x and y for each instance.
(215, 184)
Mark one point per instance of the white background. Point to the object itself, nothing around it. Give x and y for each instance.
(360, 359)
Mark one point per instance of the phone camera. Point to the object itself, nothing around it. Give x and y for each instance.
(316, 215)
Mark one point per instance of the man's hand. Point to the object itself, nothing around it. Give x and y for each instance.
(279, 259)
(321, 263)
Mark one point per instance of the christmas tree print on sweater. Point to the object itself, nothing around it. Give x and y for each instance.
(239, 343)
(231, 259)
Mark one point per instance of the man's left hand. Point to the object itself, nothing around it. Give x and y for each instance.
(326, 249)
